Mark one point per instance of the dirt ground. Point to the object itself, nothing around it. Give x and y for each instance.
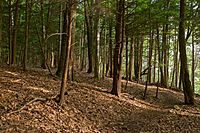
(27, 105)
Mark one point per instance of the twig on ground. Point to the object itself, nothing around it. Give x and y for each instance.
(30, 102)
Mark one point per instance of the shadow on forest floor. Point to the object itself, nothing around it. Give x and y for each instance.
(89, 106)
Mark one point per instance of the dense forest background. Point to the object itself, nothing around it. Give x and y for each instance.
(138, 40)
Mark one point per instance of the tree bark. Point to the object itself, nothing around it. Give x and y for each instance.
(193, 63)
(96, 40)
(83, 48)
(26, 35)
(164, 56)
(116, 90)
(136, 58)
(150, 57)
(70, 16)
(89, 23)
(187, 88)
(43, 56)
(127, 73)
(10, 32)
(71, 56)
(14, 34)
(160, 56)
(110, 49)
(131, 59)
(62, 57)
(1, 26)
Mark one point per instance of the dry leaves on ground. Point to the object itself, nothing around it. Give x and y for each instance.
(27, 105)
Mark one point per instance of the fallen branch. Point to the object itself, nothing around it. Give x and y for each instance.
(30, 102)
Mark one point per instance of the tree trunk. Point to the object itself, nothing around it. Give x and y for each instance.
(150, 57)
(96, 40)
(89, 23)
(140, 57)
(10, 32)
(116, 90)
(61, 62)
(127, 73)
(160, 57)
(110, 49)
(193, 63)
(1, 26)
(26, 35)
(70, 16)
(43, 55)
(187, 88)
(60, 30)
(71, 56)
(136, 59)
(164, 56)
(175, 62)
(83, 48)
(14, 34)
(155, 63)
(131, 59)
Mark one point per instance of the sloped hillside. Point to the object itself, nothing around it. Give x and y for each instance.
(27, 105)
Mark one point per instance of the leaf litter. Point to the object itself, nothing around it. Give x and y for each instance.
(27, 105)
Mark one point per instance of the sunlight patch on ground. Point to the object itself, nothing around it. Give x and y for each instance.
(14, 74)
(144, 105)
(9, 91)
(16, 81)
(38, 89)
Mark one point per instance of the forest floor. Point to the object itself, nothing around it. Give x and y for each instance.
(27, 105)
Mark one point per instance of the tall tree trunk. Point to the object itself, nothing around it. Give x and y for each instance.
(110, 49)
(61, 62)
(138, 53)
(60, 30)
(177, 63)
(96, 40)
(136, 58)
(1, 26)
(187, 88)
(83, 48)
(127, 73)
(150, 57)
(116, 90)
(164, 56)
(43, 56)
(155, 62)
(70, 16)
(140, 57)
(14, 33)
(160, 57)
(193, 63)
(26, 35)
(10, 31)
(71, 56)
(89, 23)
(131, 59)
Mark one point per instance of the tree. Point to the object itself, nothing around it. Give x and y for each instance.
(70, 16)
(96, 39)
(89, 26)
(26, 35)
(187, 88)
(110, 48)
(60, 68)
(118, 51)
(1, 23)
(131, 60)
(14, 34)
